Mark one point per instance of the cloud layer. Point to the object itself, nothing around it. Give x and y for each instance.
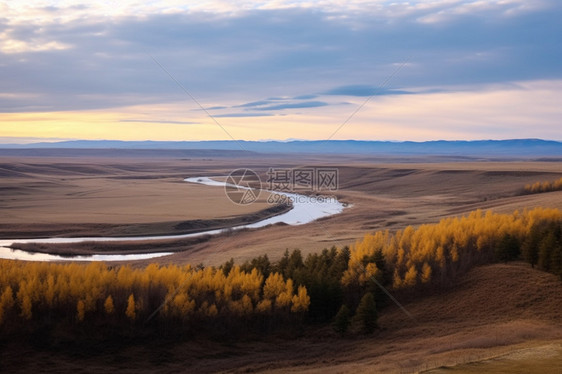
(269, 59)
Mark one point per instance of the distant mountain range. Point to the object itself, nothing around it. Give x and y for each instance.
(514, 147)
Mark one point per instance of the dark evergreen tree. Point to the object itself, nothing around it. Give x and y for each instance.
(508, 249)
(294, 263)
(261, 263)
(546, 246)
(530, 247)
(366, 314)
(227, 266)
(342, 320)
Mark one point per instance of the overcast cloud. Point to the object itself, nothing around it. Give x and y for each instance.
(268, 57)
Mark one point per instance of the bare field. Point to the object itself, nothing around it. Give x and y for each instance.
(103, 196)
(124, 197)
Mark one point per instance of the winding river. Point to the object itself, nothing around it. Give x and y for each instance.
(305, 209)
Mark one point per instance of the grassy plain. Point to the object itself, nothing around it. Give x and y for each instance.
(103, 196)
(140, 196)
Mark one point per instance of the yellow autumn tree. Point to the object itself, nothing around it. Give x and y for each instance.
(50, 290)
(301, 301)
(264, 306)
(80, 310)
(356, 271)
(131, 311)
(274, 285)
(182, 306)
(89, 292)
(24, 300)
(443, 250)
(6, 302)
(411, 277)
(546, 186)
(426, 273)
(108, 305)
(285, 297)
(396, 280)
(26, 306)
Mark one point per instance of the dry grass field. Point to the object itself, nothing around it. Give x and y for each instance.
(389, 196)
(49, 197)
(139, 196)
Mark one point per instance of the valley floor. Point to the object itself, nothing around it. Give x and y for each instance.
(138, 196)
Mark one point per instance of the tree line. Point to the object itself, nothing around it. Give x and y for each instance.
(546, 186)
(340, 281)
(184, 298)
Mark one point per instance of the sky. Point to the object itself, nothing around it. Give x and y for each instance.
(286, 69)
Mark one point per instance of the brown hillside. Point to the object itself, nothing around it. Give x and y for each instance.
(488, 294)
(495, 310)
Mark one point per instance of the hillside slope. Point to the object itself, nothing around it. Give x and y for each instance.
(494, 310)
